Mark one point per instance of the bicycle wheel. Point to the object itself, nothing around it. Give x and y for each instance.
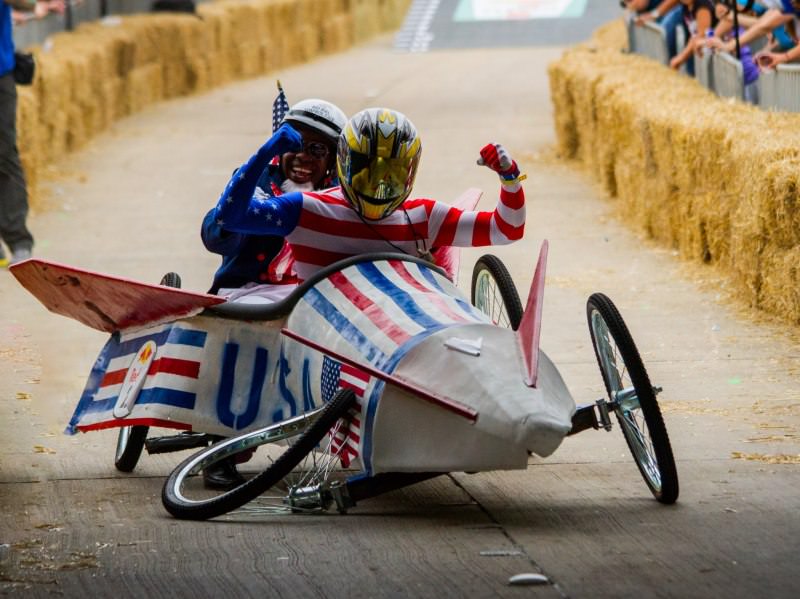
(494, 292)
(633, 398)
(293, 478)
(130, 439)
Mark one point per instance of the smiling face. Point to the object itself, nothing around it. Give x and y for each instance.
(312, 163)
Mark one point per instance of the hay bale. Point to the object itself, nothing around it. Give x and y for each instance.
(715, 179)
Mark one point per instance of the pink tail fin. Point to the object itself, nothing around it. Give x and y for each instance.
(530, 326)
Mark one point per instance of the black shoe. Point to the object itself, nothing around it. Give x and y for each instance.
(222, 476)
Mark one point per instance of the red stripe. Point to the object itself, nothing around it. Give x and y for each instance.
(177, 366)
(114, 377)
(117, 422)
(187, 368)
(370, 309)
(435, 298)
(481, 231)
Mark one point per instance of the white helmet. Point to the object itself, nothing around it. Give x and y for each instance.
(319, 115)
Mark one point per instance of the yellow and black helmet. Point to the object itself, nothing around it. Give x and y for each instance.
(377, 160)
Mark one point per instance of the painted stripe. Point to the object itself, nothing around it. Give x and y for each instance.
(400, 297)
(344, 327)
(135, 422)
(435, 298)
(370, 309)
(176, 366)
(154, 395)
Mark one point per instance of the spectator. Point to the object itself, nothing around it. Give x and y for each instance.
(770, 60)
(249, 260)
(666, 13)
(698, 16)
(778, 13)
(13, 191)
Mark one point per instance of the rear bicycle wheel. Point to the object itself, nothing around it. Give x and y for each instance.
(294, 478)
(131, 439)
(494, 292)
(632, 398)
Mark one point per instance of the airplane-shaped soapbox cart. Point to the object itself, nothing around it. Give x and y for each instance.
(376, 373)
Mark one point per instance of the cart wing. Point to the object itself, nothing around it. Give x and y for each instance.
(105, 302)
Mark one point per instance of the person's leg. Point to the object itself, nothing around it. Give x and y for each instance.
(13, 193)
(670, 22)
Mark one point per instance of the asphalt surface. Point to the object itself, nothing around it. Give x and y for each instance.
(130, 204)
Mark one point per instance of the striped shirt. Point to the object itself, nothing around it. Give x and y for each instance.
(322, 227)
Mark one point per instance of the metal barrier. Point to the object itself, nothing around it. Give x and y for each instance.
(704, 69)
(721, 72)
(728, 76)
(36, 31)
(780, 89)
(650, 40)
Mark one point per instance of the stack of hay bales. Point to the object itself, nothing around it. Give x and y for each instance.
(102, 71)
(717, 180)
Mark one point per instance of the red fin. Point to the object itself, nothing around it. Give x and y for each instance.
(104, 302)
(530, 327)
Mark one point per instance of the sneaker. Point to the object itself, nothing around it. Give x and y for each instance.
(20, 255)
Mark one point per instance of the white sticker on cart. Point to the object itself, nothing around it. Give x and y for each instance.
(134, 379)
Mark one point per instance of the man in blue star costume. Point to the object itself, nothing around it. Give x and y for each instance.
(247, 259)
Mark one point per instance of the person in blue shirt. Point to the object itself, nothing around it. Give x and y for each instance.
(13, 189)
(249, 260)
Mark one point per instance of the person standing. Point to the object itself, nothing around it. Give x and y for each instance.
(13, 191)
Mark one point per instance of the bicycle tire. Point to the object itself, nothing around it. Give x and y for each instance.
(130, 443)
(491, 282)
(131, 439)
(177, 504)
(647, 439)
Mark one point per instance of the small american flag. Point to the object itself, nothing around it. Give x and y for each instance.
(335, 376)
(279, 108)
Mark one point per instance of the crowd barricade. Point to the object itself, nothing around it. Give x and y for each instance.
(779, 89)
(721, 73)
(649, 39)
(704, 69)
(728, 76)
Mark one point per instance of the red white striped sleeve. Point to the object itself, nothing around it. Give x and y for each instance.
(503, 225)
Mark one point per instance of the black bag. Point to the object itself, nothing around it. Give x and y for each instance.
(24, 68)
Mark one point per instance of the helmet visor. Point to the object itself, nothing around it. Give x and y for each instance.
(380, 181)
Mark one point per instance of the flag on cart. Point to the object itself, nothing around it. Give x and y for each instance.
(346, 436)
(279, 108)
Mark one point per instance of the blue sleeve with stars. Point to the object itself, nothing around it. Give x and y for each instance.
(241, 210)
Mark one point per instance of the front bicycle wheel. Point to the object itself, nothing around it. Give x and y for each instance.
(131, 439)
(494, 292)
(632, 398)
(291, 475)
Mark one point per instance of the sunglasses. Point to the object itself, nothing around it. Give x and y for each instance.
(316, 149)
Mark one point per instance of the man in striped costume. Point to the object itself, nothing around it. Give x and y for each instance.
(377, 157)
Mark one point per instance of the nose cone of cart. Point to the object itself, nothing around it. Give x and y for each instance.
(480, 366)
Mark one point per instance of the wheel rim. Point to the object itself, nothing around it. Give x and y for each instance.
(489, 300)
(625, 402)
(302, 490)
(122, 441)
